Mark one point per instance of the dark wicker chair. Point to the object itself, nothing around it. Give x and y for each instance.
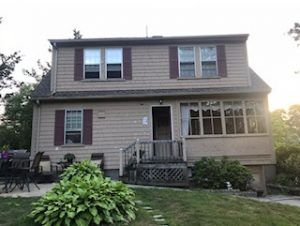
(98, 158)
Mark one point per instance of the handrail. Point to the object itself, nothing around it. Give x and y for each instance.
(152, 151)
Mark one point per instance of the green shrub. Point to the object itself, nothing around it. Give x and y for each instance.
(210, 173)
(81, 170)
(288, 165)
(85, 200)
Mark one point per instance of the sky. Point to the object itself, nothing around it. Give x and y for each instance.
(28, 24)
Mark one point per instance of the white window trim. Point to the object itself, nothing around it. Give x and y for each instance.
(105, 64)
(200, 63)
(224, 134)
(84, 78)
(65, 126)
(178, 55)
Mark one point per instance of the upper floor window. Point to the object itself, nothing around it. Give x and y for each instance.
(73, 127)
(187, 61)
(209, 61)
(91, 63)
(113, 59)
(256, 121)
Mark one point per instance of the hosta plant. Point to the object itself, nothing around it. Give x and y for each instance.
(85, 200)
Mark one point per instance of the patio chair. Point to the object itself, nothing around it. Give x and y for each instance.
(98, 159)
(32, 173)
(48, 171)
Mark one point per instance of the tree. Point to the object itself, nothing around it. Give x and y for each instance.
(294, 32)
(7, 66)
(280, 129)
(294, 120)
(76, 34)
(17, 119)
(286, 126)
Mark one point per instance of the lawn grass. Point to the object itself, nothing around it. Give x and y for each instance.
(181, 208)
(199, 208)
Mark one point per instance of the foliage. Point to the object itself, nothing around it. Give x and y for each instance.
(7, 66)
(84, 199)
(77, 34)
(40, 72)
(4, 148)
(210, 173)
(286, 126)
(17, 119)
(81, 170)
(288, 165)
(294, 32)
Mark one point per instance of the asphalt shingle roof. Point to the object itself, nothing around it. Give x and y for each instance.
(43, 91)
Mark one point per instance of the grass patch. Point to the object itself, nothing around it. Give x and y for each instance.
(198, 208)
(180, 208)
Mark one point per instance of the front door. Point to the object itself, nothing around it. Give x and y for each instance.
(162, 130)
(161, 123)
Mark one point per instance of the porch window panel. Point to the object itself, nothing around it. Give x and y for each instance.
(261, 125)
(252, 125)
(239, 125)
(195, 127)
(185, 117)
(255, 114)
(229, 122)
(217, 123)
(207, 128)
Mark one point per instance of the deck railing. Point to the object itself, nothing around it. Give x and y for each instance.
(154, 151)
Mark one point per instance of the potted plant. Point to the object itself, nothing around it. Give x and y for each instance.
(69, 157)
(4, 151)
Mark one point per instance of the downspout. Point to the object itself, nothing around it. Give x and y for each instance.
(37, 143)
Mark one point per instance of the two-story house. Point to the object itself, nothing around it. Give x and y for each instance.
(183, 98)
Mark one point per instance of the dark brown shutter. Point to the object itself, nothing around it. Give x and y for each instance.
(127, 65)
(173, 60)
(221, 58)
(59, 131)
(78, 65)
(87, 126)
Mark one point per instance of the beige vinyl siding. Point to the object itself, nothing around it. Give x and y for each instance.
(150, 69)
(122, 125)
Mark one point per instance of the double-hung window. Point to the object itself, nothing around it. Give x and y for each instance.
(256, 121)
(234, 117)
(91, 63)
(73, 127)
(211, 116)
(187, 62)
(208, 61)
(190, 119)
(113, 59)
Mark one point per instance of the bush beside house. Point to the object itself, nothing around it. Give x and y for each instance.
(210, 173)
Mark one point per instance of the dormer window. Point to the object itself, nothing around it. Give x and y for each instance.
(187, 62)
(208, 61)
(113, 59)
(91, 63)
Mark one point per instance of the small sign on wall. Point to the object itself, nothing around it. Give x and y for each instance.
(145, 121)
(101, 114)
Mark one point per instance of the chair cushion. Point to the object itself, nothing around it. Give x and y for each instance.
(98, 162)
(46, 166)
